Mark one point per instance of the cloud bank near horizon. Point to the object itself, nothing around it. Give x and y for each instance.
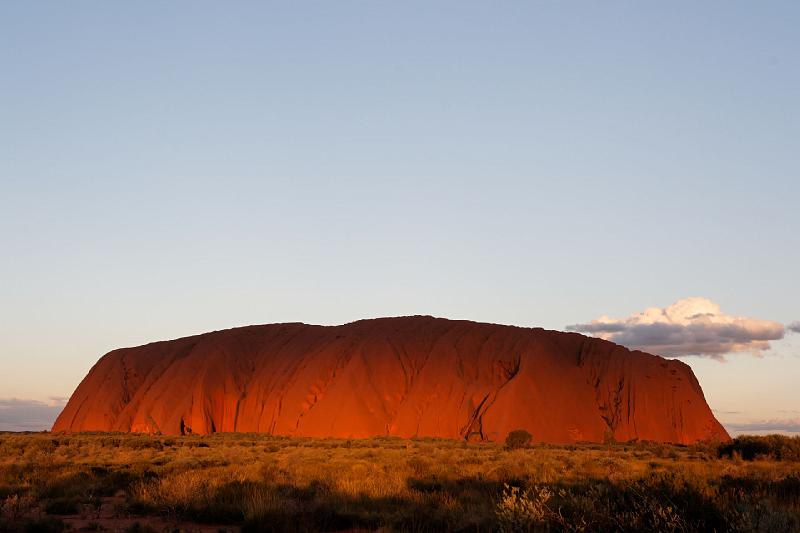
(785, 426)
(691, 326)
(29, 415)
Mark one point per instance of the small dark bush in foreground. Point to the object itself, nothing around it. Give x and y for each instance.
(519, 438)
(62, 506)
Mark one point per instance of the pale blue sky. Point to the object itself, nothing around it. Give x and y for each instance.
(168, 169)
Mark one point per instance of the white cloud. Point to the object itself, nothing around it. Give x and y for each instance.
(794, 327)
(692, 326)
(57, 401)
(789, 426)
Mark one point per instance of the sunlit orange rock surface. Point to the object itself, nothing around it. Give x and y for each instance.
(407, 376)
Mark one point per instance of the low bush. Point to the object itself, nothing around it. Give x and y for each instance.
(62, 506)
(519, 438)
(750, 447)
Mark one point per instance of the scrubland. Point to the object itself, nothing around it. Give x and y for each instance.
(232, 482)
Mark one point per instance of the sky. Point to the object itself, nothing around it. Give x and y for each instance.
(173, 168)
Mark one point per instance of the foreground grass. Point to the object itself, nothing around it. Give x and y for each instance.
(265, 483)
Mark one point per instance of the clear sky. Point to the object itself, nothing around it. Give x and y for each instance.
(172, 168)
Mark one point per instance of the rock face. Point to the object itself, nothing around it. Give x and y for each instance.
(407, 376)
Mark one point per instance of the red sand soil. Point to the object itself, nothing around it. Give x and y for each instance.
(407, 376)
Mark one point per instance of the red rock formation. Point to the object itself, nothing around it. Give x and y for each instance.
(409, 376)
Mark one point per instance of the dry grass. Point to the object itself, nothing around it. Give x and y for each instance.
(260, 482)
